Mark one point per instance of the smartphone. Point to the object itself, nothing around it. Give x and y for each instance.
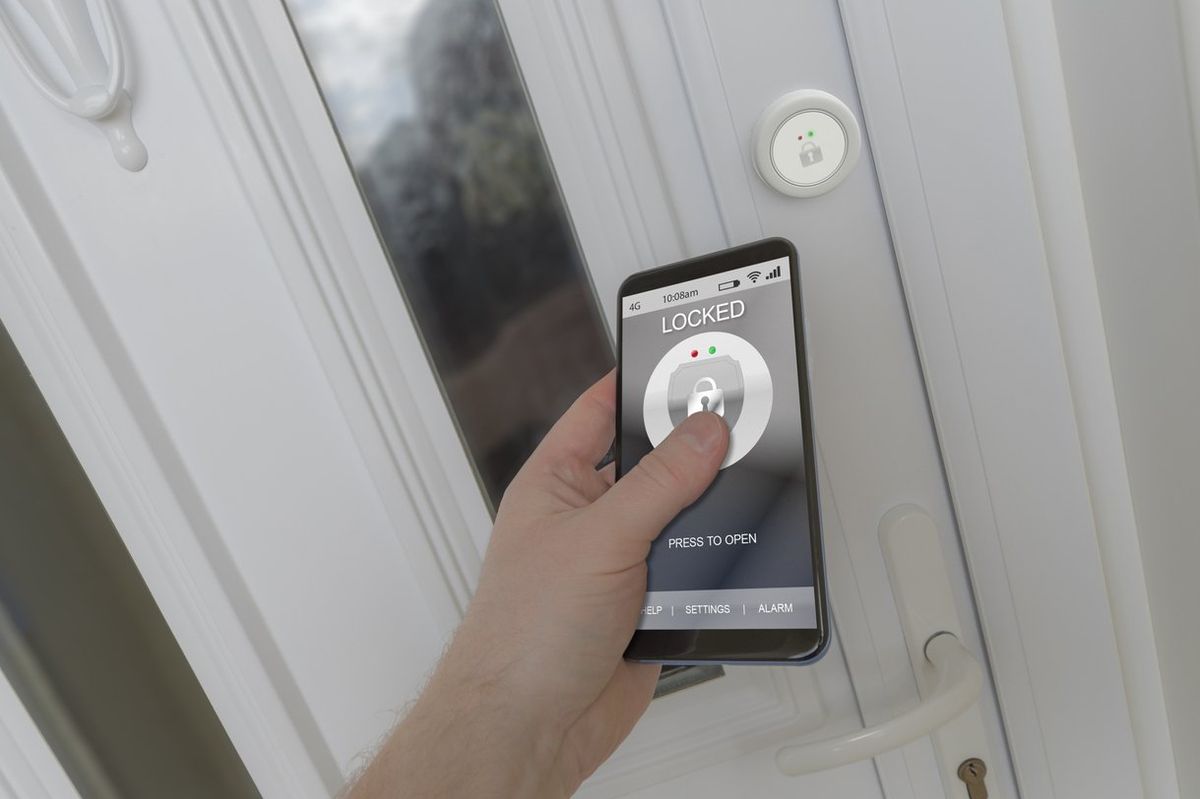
(738, 577)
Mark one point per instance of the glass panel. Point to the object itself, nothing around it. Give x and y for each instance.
(81, 639)
(436, 125)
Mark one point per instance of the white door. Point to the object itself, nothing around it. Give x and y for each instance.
(698, 75)
(874, 434)
(299, 478)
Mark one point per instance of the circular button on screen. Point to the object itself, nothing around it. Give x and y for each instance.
(808, 148)
(730, 377)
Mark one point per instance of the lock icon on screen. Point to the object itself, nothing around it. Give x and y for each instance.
(810, 154)
(709, 399)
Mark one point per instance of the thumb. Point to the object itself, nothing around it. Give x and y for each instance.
(666, 480)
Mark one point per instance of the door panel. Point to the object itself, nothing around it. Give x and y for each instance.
(683, 84)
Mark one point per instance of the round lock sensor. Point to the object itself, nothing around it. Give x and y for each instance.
(806, 143)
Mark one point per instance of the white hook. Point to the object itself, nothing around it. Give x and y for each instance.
(100, 95)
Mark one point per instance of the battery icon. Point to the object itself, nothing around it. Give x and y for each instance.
(728, 284)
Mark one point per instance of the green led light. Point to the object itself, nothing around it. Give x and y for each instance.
(810, 134)
(712, 350)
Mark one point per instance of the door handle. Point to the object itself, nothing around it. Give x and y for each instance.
(949, 677)
(957, 684)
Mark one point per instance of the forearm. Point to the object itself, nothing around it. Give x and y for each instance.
(467, 735)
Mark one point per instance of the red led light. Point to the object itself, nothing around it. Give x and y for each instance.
(695, 353)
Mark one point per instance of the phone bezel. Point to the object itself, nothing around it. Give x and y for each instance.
(749, 645)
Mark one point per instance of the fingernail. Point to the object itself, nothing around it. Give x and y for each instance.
(702, 431)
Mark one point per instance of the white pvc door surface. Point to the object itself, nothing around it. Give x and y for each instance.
(683, 84)
(229, 355)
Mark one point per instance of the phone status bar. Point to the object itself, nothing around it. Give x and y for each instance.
(720, 284)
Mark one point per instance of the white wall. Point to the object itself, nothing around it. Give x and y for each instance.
(1127, 90)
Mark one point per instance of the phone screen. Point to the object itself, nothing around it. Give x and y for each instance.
(742, 557)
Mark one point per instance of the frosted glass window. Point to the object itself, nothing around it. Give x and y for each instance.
(437, 127)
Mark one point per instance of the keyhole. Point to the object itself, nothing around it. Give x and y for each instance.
(972, 771)
(704, 403)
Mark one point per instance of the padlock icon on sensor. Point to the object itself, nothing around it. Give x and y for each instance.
(810, 154)
(709, 399)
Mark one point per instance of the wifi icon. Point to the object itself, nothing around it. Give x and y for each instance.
(754, 276)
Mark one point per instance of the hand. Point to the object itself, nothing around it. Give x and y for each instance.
(533, 694)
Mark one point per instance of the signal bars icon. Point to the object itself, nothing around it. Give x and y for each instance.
(755, 275)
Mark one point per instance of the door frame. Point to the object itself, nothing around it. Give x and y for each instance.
(274, 131)
(1017, 472)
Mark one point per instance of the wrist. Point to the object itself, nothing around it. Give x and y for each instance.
(469, 734)
(476, 713)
